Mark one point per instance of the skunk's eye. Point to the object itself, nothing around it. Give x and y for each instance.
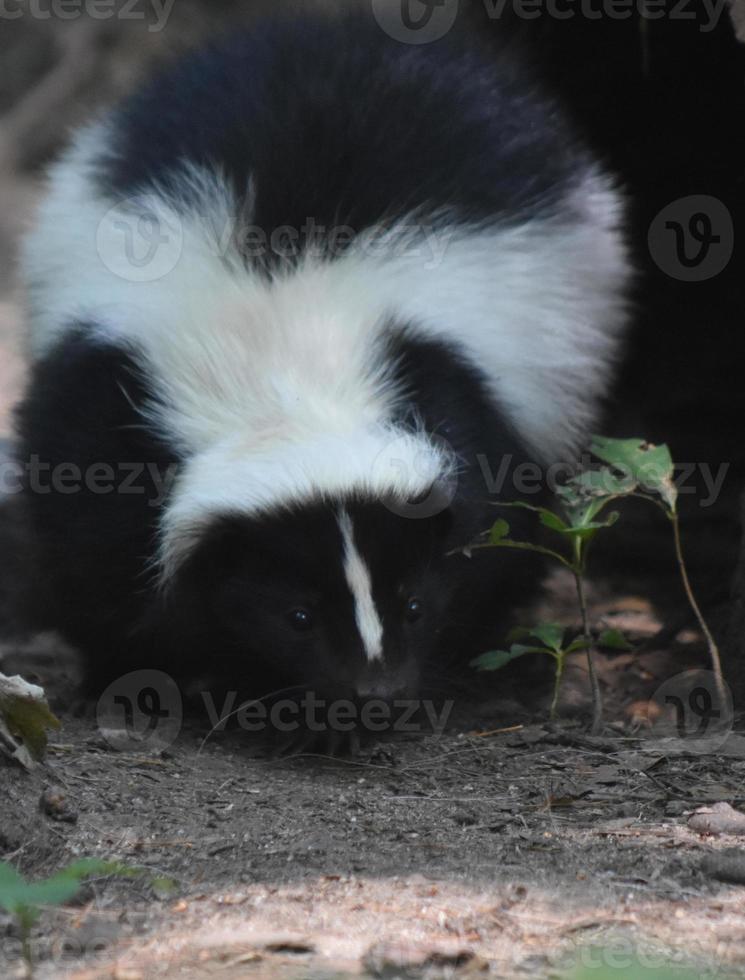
(301, 620)
(414, 609)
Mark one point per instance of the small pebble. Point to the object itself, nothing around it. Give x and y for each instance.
(53, 803)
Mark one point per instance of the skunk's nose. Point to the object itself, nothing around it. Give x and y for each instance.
(381, 684)
(382, 689)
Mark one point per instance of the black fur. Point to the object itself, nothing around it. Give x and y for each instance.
(93, 548)
(272, 105)
(248, 577)
(226, 614)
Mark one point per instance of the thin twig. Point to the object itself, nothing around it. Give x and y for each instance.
(497, 731)
(716, 661)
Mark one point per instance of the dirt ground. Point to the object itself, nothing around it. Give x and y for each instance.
(504, 847)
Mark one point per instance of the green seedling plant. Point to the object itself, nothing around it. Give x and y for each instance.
(632, 468)
(24, 899)
(547, 639)
(653, 471)
(581, 501)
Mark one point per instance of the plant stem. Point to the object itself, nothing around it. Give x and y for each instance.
(515, 546)
(558, 676)
(26, 951)
(597, 697)
(716, 661)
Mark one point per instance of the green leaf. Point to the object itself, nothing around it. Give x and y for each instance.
(12, 889)
(18, 896)
(164, 887)
(13, 893)
(526, 546)
(87, 867)
(581, 510)
(550, 634)
(651, 466)
(496, 659)
(571, 495)
(499, 532)
(26, 916)
(603, 483)
(551, 520)
(614, 640)
(518, 633)
(8, 876)
(28, 720)
(548, 517)
(496, 537)
(589, 493)
(54, 891)
(581, 643)
(590, 529)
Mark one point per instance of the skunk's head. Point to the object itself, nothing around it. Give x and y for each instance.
(345, 599)
(318, 563)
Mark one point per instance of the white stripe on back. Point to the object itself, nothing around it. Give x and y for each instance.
(360, 585)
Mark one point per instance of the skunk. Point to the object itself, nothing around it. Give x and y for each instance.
(299, 312)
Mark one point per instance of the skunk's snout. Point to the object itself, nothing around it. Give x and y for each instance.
(381, 684)
(380, 691)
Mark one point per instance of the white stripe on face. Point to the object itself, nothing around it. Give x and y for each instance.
(360, 585)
